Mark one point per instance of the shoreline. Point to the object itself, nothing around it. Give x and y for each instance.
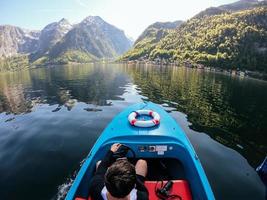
(232, 72)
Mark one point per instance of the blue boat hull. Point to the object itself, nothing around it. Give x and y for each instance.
(168, 139)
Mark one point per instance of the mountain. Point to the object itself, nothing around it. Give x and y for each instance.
(228, 40)
(60, 42)
(149, 38)
(93, 36)
(228, 36)
(15, 40)
(232, 7)
(157, 29)
(50, 35)
(242, 5)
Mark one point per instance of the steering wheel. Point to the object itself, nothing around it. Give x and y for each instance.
(122, 152)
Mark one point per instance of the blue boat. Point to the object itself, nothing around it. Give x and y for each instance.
(165, 146)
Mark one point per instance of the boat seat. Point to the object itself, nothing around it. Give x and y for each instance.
(179, 187)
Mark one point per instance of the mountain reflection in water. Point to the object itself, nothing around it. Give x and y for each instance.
(61, 86)
(51, 117)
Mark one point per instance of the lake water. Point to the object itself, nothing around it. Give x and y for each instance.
(51, 117)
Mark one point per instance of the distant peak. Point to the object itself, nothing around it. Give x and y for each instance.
(93, 19)
(63, 21)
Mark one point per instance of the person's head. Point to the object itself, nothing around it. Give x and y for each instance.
(120, 178)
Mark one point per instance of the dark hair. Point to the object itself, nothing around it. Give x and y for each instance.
(120, 178)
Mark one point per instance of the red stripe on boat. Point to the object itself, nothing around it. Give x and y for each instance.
(133, 121)
(80, 198)
(155, 121)
(150, 113)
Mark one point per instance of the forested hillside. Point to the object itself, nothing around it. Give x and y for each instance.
(148, 40)
(14, 63)
(227, 40)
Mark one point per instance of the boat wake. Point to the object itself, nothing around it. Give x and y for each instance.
(64, 188)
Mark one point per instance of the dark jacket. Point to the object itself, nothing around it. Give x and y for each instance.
(97, 183)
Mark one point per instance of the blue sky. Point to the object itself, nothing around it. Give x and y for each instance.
(133, 16)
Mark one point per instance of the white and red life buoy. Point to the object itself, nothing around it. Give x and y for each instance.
(144, 123)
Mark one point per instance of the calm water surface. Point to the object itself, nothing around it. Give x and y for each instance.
(51, 117)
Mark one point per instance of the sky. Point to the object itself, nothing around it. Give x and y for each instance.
(132, 16)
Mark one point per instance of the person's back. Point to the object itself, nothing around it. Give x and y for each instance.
(119, 179)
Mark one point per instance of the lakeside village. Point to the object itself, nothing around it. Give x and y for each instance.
(187, 63)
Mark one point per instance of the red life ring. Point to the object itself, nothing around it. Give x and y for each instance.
(148, 123)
